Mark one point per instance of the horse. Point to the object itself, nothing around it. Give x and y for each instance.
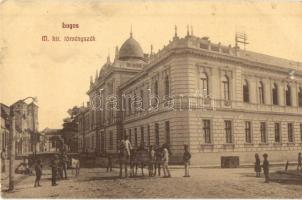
(139, 158)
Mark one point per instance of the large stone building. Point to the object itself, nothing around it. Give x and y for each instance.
(220, 100)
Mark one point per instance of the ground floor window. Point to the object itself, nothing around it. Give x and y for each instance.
(248, 132)
(277, 133)
(207, 131)
(142, 136)
(149, 135)
(130, 135)
(167, 130)
(228, 131)
(300, 132)
(290, 130)
(110, 140)
(263, 132)
(156, 134)
(135, 136)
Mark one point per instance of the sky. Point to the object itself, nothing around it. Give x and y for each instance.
(58, 73)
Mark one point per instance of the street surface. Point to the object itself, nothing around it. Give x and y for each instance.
(203, 183)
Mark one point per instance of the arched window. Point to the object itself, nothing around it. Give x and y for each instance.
(156, 88)
(204, 86)
(288, 95)
(300, 97)
(226, 87)
(246, 95)
(167, 86)
(261, 92)
(275, 94)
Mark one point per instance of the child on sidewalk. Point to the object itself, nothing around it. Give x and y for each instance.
(186, 160)
(257, 165)
(38, 169)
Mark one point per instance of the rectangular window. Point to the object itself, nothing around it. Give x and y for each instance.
(277, 133)
(207, 131)
(156, 134)
(135, 136)
(228, 131)
(290, 130)
(248, 132)
(301, 132)
(149, 135)
(142, 136)
(130, 136)
(263, 132)
(111, 140)
(167, 130)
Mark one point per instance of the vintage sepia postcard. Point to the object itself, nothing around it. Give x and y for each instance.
(151, 99)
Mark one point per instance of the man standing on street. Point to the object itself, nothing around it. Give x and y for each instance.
(54, 170)
(186, 160)
(3, 157)
(266, 168)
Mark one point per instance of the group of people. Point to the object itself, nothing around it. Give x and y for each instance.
(157, 158)
(265, 165)
(58, 169)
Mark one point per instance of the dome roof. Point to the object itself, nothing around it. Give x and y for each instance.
(131, 49)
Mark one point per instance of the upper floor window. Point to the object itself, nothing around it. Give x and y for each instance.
(156, 88)
(288, 95)
(142, 99)
(167, 86)
(275, 94)
(300, 97)
(246, 95)
(261, 92)
(204, 87)
(226, 88)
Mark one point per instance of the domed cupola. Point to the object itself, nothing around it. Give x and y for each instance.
(131, 49)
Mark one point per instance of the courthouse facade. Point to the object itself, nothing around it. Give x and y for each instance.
(218, 99)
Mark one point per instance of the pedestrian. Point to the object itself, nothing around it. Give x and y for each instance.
(64, 165)
(257, 165)
(266, 168)
(186, 160)
(3, 158)
(60, 167)
(38, 170)
(54, 170)
(109, 163)
(166, 161)
(299, 167)
(158, 161)
(151, 160)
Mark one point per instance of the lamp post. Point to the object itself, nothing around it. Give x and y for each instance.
(12, 144)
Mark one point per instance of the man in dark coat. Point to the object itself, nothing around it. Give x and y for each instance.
(265, 167)
(54, 170)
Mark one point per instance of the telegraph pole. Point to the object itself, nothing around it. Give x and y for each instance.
(12, 152)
